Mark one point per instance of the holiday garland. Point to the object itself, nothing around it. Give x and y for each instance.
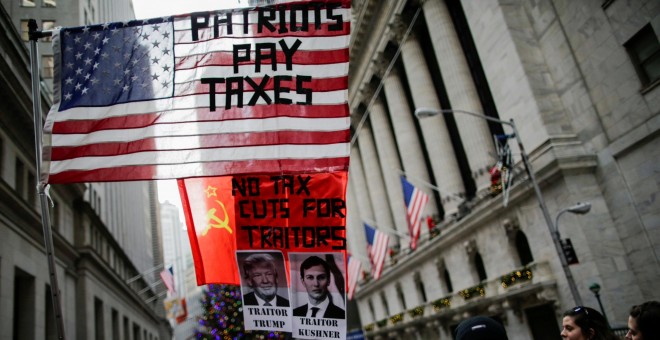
(471, 292)
(444, 302)
(417, 311)
(516, 276)
(396, 318)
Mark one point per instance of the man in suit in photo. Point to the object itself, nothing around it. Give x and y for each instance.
(315, 276)
(260, 274)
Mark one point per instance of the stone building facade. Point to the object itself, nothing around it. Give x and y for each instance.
(579, 79)
(102, 241)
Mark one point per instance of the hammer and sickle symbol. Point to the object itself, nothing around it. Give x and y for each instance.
(220, 224)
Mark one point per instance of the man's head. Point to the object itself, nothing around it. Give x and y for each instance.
(315, 276)
(261, 275)
(480, 328)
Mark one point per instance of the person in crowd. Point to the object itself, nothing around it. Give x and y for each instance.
(644, 321)
(315, 276)
(480, 328)
(585, 323)
(260, 274)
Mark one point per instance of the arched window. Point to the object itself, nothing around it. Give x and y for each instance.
(371, 309)
(386, 307)
(479, 266)
(522, 246)
(402, 298)
(448, 284)
(420, 287)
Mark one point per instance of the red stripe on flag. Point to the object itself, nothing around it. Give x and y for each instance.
(211, 141)
(150, 172)
(379, 253)
(415, 210)
(354, 271)
(200, 115)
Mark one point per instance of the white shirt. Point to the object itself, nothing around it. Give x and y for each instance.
(321, 306)
(261, 302)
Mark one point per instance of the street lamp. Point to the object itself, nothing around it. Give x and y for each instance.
(595, 288)
(580, 208)
(428, 112)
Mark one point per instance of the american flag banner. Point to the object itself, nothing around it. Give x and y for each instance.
(354, 271)
(377, 246)
(415, 201)
(239, 91)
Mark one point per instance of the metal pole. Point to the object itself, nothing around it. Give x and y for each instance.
(602, 310)
(548, 220)
(41, 187)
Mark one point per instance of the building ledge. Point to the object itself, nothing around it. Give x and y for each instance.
(496, 298)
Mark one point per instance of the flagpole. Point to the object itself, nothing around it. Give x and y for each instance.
(34, 35)
(388, 230)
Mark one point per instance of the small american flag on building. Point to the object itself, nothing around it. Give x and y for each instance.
(354, 272)
(415, 201)
(377, 246)
(206, 94)
(168, 280)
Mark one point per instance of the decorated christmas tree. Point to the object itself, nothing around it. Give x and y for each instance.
(222, 317)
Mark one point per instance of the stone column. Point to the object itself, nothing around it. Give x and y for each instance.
(355, 235)
(434, 130)
(389, 164)
(359, 185)
(375, 184)
(475, 135)
(410, 148)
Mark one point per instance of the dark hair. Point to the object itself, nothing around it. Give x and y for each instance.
(647, 316)
(311, 262)
(588, 318)
(258, 259)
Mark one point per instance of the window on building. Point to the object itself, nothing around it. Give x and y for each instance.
(49, 3)
(386, 307)
(21, 182)
(401, 296)
(25, 30)
(127, 330)
(644, 51)
(136, 331)
(28, 3)
(479, 266)
(115, 324)
(31, 189)
(448, 284)
(47, 64)
(24, 305)
(47, 25)
(98, 318)
(522, 246)
(420, 287)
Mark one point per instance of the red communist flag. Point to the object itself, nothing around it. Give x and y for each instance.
(295, 212)
(208, 206)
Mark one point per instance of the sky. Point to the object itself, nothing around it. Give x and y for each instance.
(145, 9)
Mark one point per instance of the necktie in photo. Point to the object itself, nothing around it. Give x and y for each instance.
(267, 304)
(314, 311)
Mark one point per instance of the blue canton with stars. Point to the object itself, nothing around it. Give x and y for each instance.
(116, 63)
